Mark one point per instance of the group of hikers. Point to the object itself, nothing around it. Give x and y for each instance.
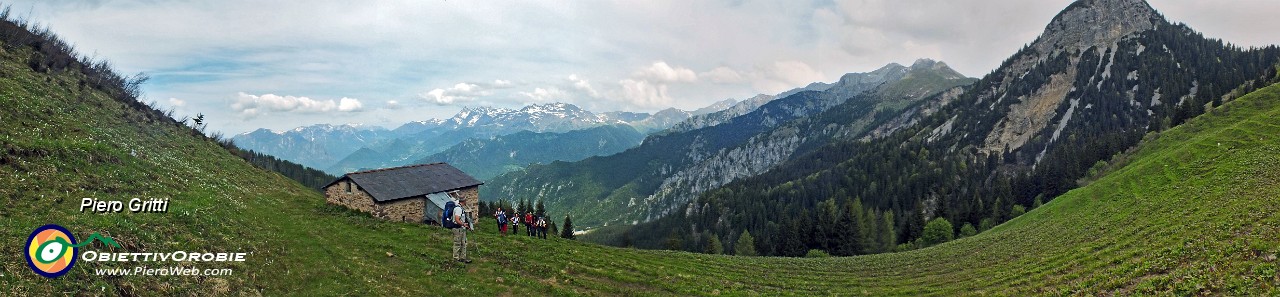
(455, 218)
(534, 225)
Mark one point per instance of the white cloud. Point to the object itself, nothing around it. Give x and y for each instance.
(461, 92)
(349, 104)
(249, 105)
(499, 83)
(581, 84)
(780, 76)
(175, 102)
(392, 104)
(644, 93)
(661, 72)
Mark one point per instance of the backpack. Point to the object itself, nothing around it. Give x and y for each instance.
(502, 218)
(446, 217)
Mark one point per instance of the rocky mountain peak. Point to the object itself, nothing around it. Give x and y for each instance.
(926, 63)
(1089, 23)
(938, 67)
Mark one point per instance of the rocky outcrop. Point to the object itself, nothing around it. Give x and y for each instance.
(1090, 23)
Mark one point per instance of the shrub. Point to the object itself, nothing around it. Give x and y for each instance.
(968, 230)
(937, 231)
(1018, 210)
(986, 224)
(816, 253)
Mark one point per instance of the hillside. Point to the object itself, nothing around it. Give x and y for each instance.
(1190, 213)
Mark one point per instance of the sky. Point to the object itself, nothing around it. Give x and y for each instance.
(283, 64)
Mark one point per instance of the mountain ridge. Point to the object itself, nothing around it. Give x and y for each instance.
(1022, 135)
(331, 147)
(642, 189)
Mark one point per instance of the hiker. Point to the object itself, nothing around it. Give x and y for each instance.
(515, 221)
(456, 218)
(528, 224)
(542, 227)
(502, 221)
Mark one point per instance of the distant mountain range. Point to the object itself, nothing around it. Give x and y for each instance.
(486, 158)
(676, 165)
(338, 149)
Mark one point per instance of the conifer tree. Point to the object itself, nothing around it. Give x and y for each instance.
(714, 246)
(567, 233)
(888, 236)
(746, 245)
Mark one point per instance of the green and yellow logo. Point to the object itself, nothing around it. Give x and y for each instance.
(51, 250)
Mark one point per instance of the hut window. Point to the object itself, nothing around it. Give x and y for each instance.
(348, 187)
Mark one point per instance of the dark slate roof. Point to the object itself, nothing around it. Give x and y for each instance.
(395, 183)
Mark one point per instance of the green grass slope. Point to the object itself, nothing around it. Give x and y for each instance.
(1192, 212)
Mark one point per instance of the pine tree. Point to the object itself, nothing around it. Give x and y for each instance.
(828, 226)
(852, 234)
(714, 246)
(869, 229)
(673, 242)
(541, 210)
(888, 239)
(997, 211)
(567, 233)
(915, 222)
(746, 245)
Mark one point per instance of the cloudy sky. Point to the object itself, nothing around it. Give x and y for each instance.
(283, 64)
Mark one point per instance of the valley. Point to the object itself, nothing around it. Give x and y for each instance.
(1118, 153)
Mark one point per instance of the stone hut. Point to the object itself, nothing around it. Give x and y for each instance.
(415, 193)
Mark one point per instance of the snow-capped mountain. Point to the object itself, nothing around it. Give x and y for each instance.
(341, 148)
(550, 117)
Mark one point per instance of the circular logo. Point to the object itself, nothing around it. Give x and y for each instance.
(51, 250)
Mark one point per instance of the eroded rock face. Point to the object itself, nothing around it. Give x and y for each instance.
(1086, 24)
(1030, 114)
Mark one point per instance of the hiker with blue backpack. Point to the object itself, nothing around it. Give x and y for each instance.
(456, 219)
(502, 221)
